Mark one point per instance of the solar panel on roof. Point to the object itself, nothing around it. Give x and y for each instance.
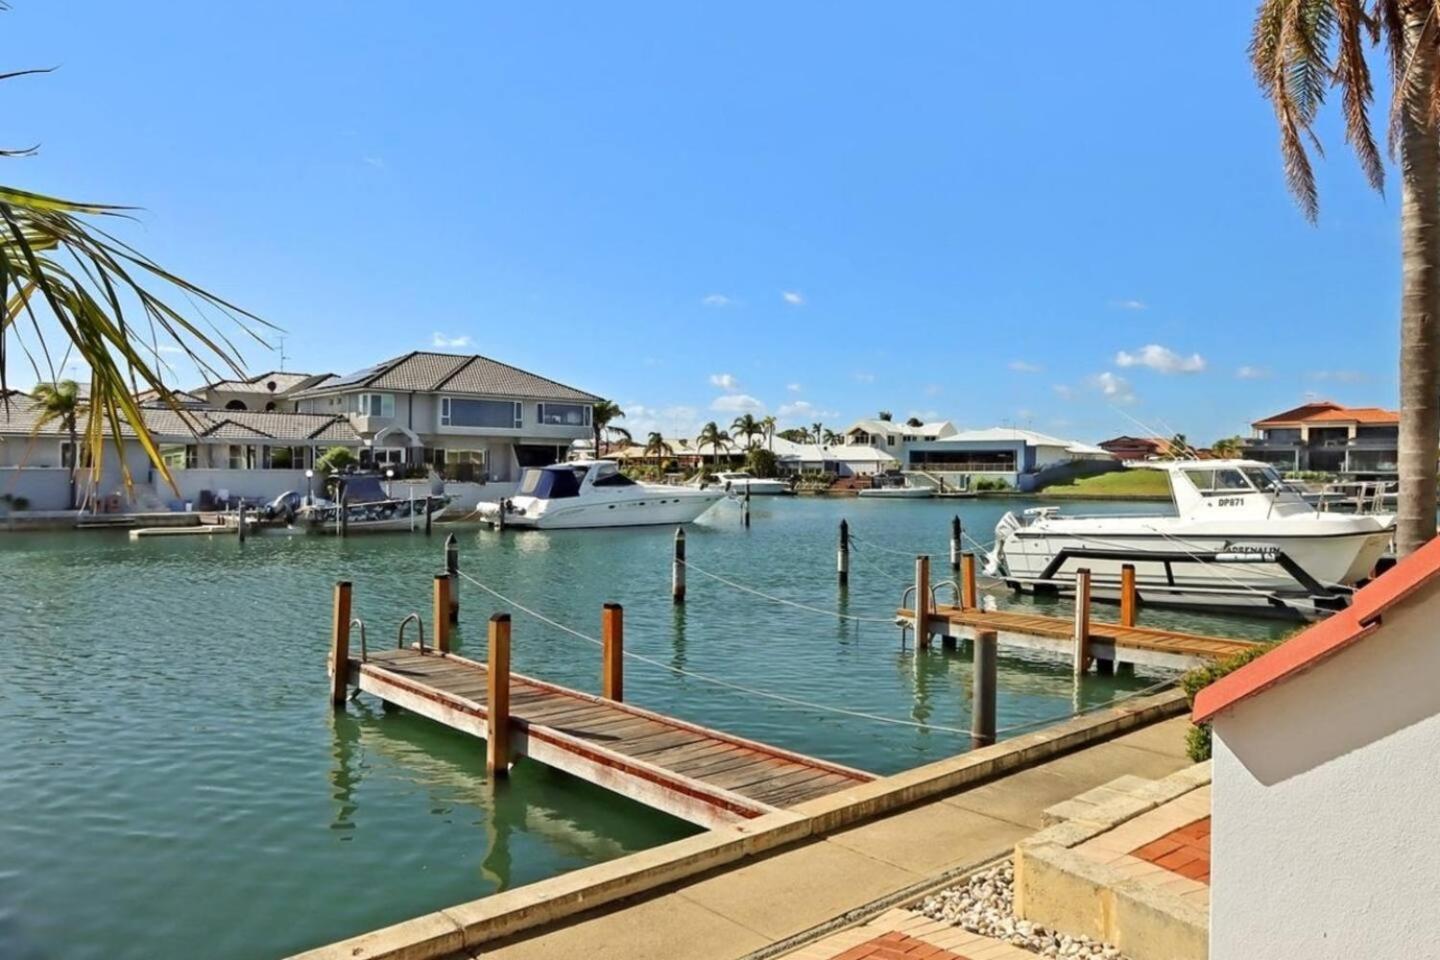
(359, 375)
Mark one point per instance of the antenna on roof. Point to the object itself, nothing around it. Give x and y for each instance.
(1151, 431)
(282, 354)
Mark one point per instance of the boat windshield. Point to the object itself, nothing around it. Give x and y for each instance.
(610, 476)
(1268, 480)
(549, 483)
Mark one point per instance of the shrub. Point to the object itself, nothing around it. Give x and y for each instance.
(335, 460)
(1197, 738)
(761, 462)
(991, 483)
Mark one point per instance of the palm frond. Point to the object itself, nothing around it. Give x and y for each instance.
(1352, 73)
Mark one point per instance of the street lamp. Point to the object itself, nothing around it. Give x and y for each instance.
(309, 486)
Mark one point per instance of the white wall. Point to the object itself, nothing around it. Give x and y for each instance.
(268, 484)
(47, 488)
(1325, 837)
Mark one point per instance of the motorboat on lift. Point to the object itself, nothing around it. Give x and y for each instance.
(366, 508)
(594, 493)
(739, 482)
(1239, 534)
(896, 486)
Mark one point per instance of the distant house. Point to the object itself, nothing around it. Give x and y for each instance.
(271, 392)
(1136, 448)
(1326, 766)
(481, 417)
(894, 438)
(1022, 458)
(1360, 442)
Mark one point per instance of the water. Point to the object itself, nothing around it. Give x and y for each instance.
(176, 783)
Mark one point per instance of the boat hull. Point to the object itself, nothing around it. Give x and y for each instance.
(897, 493)
(667, 507)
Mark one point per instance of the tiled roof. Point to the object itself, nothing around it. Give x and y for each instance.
(167, 424)
(285, 382)
(426, 372)
(1420, 570)
(1366, 415)
(1297, 414)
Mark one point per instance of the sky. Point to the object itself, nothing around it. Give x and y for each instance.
(1075, 222)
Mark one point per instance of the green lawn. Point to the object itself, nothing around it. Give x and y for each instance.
(1121, 483)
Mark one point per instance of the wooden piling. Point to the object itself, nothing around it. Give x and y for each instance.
(969, 599)
(922, 602)
(500, 515)
(612, 638)
(677, 571)
(429, 514)
(440, 612)
(240, 527)
(982, 704)
(497, 720)
(340, 643)
(745, 509)
(842, 555)
(1082, 620)
(955, 545)
(1127, 595)
(452, 570)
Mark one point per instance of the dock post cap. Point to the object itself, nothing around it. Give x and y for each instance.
(608, 605)
(343, 583)
(499, 618)
(443, 575)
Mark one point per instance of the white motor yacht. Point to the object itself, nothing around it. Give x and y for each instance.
(740, 482)
(896, 486)
(594, 493)
(1238, 529)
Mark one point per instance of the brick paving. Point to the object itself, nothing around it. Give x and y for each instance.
(1185, 850)
(897, 946)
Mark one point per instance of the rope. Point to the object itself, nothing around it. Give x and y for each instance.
(789, 603)
(795, 701)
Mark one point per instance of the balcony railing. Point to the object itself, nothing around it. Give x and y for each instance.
(961, 466)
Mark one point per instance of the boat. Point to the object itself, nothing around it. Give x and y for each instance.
(594, 493)
(739, 483)
(896, 486)
(1239, 532)
(366, 508)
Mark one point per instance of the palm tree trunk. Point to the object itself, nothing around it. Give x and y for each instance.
(1420, 297)
(74, 461)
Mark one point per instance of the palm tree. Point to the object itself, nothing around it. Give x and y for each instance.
(61, 403)
(748, 427)
(656, 447)
(795, 435)
(831, 437)
(1228, 447)
(1298, 49)
(884, 415)
(601, 414)
(1179, 448)
(60, 270)
(768, 425)
(715, 437)
(914, 422)
(815, 431)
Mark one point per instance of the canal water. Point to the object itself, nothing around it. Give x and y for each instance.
(175, 783)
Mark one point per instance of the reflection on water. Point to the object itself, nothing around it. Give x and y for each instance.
(173, 763)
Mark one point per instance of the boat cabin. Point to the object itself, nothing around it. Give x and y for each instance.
(1242, 488)
(571, 479)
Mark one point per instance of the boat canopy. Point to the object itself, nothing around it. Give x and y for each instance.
(550, 483)
(363, 490)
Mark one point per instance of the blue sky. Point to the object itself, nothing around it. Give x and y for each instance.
(815, 209)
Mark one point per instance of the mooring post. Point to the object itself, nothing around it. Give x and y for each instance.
(340, 643)
(612, 639)
(440, 612)
(497, 720)
(922, 602)
(500, 516)
(344, 515)
(677, 571)
(240, 526)
(745, 508)
(842, 555)
(982, 707)
(429, 509)
(452, 570)
(1082, 620)
(1127, 595)
(955, 545)
(968, 597)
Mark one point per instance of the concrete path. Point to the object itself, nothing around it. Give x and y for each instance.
(736, 912)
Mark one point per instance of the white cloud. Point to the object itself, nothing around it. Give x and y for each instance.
(438, 339)
(1024, 366)
(1248, 372)
(793, 387)
(1340, 376)
(725, 381)
(1160, 359)
(803, 411)
(1129, 304)
(863, 377)
(1115, 387)
(377, 162)
(792, 297)
(737, 403)
(717, 300)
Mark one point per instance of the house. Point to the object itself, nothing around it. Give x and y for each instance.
(463, 415)
(1326, 765)
(1136, 448)
(1359, 442)
(895, 438)
(268, 392)
(1022, 458)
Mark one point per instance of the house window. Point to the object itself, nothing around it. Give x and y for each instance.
(67, 455)
(240, 456)
(389, 455)
(890, 441)
(564, 414)
(375, 405)
(181, 456)
(460, 412)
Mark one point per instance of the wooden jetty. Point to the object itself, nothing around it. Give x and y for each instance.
(689, 771)
(1082, 639)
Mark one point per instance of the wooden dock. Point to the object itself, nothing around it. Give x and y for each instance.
(689, 771)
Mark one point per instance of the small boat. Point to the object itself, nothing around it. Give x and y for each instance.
(594, 493)
(896, 486)
(739, 482)
(1239, 530)
(367, 508)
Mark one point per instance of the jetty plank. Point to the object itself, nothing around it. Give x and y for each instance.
(702, 775)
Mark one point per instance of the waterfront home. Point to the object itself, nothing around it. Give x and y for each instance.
(270, 392)
(895, 438)
(1323, 840)
(1023, 459)
(1359, 442)
(1127, 448)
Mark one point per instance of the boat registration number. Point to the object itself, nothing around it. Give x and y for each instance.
(1230, 501)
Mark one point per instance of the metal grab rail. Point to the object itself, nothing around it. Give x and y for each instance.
(357, 622)
(419, 626)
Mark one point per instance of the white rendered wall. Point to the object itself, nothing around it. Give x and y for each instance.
(1326, 800)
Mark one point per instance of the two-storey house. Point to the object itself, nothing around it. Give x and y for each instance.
(1322, 436)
